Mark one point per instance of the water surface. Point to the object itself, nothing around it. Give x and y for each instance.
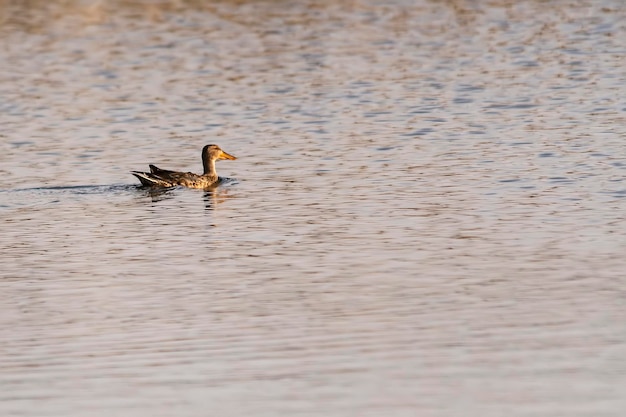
(426, 215)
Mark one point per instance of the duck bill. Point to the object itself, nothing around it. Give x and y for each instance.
(225, 155)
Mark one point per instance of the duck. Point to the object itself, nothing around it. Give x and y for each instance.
(158, 177)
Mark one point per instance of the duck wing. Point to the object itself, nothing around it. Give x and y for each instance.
(156, 170)
(186, 179)
(166, 178)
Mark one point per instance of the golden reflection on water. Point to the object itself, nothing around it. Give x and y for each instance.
(39, 15)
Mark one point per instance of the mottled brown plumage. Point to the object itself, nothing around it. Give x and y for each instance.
(158, 177)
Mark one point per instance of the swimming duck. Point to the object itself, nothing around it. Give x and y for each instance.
(165, 178)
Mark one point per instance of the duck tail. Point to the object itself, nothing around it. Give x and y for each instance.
(150, 180)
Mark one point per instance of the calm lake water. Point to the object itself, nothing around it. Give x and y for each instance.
(427, 216)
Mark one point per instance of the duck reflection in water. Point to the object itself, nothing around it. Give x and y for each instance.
(212, 196)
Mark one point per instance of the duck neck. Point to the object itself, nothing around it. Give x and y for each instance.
(209, 167)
